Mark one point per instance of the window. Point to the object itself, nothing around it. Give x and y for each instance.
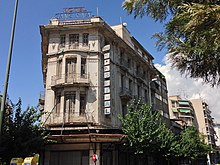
(57, 102)
(83, 66)
(135, 48)
(139, 92)
(130, 85)
(82, 103)
(70, 68)
(124, 110)
(146, 95)
(85, 39)
(122, 81)
(129, 63)
(62, 40)
(137, 69)
(59, 68)
(70, 102)
(74, 39)
(121, 56)
(173, 103)
(144, 74)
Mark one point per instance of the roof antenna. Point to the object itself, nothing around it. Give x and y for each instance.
(97, 11)
(120, 20)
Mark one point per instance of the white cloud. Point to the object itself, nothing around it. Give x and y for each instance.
(189, 88)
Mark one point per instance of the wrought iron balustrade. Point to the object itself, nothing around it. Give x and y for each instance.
(70, 78)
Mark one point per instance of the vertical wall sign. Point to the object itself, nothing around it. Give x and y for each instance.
(107, 83)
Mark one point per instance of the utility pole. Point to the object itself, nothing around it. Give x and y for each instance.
(8, 67)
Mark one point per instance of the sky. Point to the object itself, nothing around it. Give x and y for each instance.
(26, 80)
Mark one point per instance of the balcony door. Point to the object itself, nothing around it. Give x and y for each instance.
(70, 69)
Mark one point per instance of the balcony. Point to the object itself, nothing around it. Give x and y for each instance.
(68, 119)
(73, 46)
(125, 94)
(124, 64)
(69, 80)
(42, 98)
(186, 116)
(140, 76)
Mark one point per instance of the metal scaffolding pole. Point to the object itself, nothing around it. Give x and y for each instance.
(8, 67)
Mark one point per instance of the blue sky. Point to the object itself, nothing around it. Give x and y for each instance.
(25, 79)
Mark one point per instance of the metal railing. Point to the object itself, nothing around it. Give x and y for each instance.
(124, 63)
(69, 79)
(141, 75)
(125, 92)
(74, 46)
(70, 117)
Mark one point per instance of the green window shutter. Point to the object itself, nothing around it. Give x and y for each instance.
(185, 110)
(183, 102)
(174, 110)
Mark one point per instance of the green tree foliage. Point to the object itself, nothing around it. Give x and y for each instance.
(191, 144)
(22, 135)
(148, 134)
(191, 34)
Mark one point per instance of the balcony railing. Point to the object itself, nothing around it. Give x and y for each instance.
(126, 93)
(68, 79)
(69, 118)
(73, 46)
(124, 64)
(141, 75)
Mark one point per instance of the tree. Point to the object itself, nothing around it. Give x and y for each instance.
(146, 132)
(191, 34)
(22, 135)
(192, 144)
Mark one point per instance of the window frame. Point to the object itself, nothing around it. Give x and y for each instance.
(85, 39)
(74, 39)
(71, 96)
(62, 40)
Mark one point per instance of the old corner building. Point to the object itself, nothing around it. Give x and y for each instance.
(91, 72)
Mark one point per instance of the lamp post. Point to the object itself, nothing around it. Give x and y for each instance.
(8, 66)
(149, 88)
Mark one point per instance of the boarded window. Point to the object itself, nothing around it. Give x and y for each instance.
(70, 102)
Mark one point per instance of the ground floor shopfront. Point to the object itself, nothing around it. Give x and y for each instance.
(109, 150)
(81, 154)
(80, 149)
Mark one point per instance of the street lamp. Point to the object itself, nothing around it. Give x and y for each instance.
(149, 88)
(8, 66)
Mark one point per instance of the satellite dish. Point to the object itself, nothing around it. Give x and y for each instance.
(124, 24)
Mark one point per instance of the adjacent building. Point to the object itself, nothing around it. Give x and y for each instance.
(205, 122)
(91, 72)
(181, 111)
(194, 112)
(217, 131)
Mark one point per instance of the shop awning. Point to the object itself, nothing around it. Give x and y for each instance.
(92, 137)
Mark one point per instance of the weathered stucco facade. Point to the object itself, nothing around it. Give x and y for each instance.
(91, 72)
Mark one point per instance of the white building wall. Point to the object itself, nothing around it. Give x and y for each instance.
(217, 131)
